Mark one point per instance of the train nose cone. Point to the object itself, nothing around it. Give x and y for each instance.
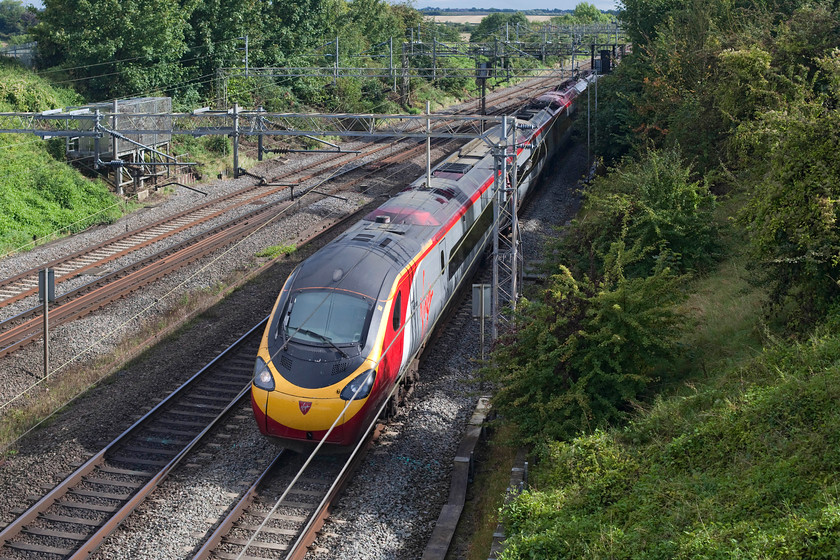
(307, 414)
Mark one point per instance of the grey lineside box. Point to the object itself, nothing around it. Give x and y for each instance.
(481, 294)
(127, 119)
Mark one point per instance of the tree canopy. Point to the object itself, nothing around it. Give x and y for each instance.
(15, 19)
(583, 13)
(111, 48)
(498, 25)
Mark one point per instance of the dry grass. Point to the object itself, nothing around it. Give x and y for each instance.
(59, 391)
(478, 18)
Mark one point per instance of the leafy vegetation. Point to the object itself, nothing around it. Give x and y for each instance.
(792, 213)
(15, 20)
(725, 443)
(740, 91)
(276, 250)
(176, 48)
(147, 38)
(584, 348)
(606, 326)
(39, 195)
(116, 49)
(584, 13)
(497, 26)
(743, 467)
(651, 205)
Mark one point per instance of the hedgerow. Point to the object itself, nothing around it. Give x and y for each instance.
(745, 467)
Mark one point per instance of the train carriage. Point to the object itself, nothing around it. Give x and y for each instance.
(353, 316)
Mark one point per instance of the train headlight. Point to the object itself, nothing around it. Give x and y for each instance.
(262, 376)
(362, 384)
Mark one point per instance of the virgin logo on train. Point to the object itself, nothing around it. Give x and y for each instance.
(304, 406)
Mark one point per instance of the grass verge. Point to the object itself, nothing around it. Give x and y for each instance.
(485, 496)
(48, 397)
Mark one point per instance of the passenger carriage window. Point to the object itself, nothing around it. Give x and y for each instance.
(397, 308)
(442, 263)
(458, 255)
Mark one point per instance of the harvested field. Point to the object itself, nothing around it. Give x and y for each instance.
(477, 18)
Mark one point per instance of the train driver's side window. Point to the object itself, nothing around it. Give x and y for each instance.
(397, 311)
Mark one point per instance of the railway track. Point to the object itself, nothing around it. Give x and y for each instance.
(81, 511)
(125, 484)
(25, 283)
(27, 327)
(76, 516)
(258, 526)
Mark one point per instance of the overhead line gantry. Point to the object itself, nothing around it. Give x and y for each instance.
(419, 57)
(498, 132)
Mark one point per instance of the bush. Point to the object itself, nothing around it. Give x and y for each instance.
(793, 212)
(580, 354)
(219, 145)
(743, 467)
(651, 204)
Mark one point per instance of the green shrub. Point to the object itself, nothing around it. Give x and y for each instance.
(584, 350)
(276, 251)
(651, 204)
(745, 466)
(793, 212)
(219, 145)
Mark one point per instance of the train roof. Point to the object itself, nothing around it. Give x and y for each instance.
(389, 237)
(351, 261)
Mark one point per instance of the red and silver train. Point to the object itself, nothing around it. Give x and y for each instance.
(352, 317)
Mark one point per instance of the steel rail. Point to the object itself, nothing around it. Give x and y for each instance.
(307, 530)
(15, 534)
(25, 283)
(156, 267)
(26, 327)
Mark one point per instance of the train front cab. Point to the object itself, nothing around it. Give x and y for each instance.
(301, 417)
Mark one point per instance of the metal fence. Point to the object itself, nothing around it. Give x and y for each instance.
(25, 53)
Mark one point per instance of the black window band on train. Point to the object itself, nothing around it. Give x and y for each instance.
(397, 311)
(463, 249)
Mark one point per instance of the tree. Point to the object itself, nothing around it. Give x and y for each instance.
(113, 48)
(497, 25)
(374, 19)
(12, 15)
(408, 17)
(641, 18)
(216, 35)
(582, 14)
(296, 29)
